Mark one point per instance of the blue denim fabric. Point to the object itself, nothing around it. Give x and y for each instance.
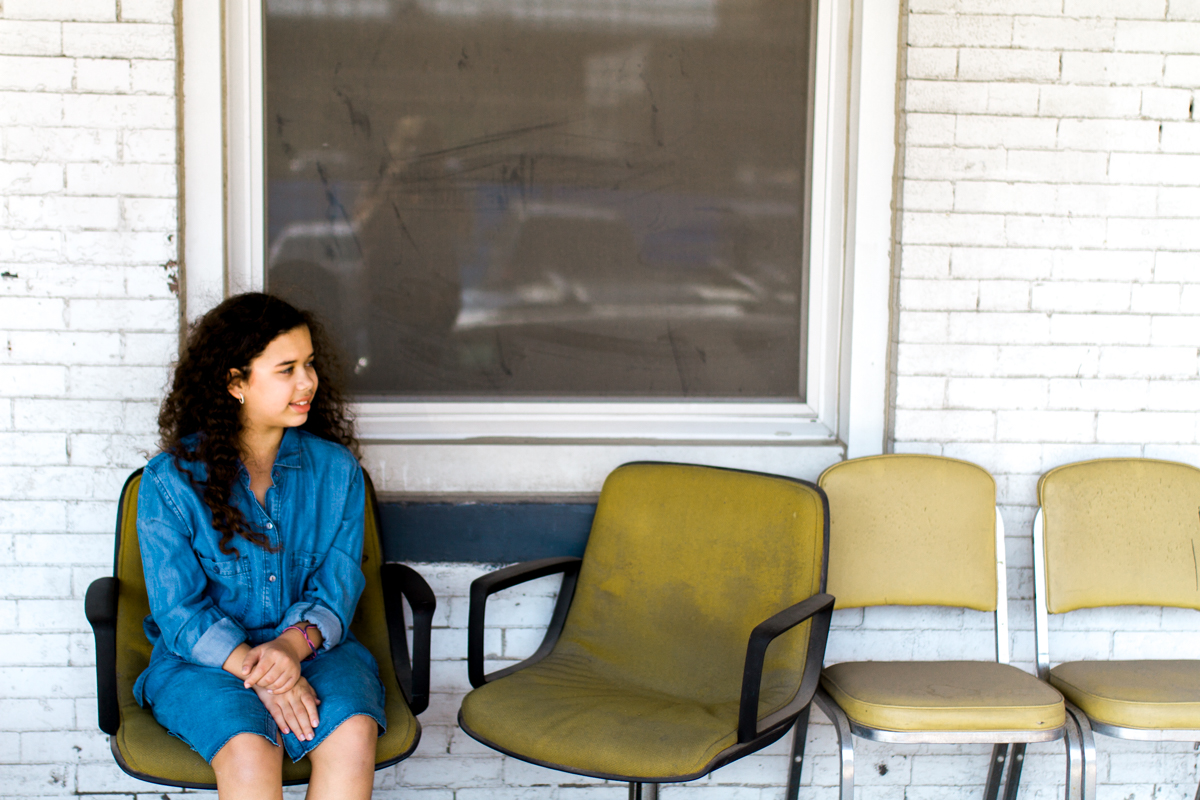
(204, 603)
(346, 679)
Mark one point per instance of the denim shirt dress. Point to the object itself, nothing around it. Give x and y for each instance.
(204, 603)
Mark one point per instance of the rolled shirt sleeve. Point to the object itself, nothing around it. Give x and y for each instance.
(190, 624)
(331, 593)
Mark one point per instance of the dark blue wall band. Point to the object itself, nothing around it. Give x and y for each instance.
(483, 533)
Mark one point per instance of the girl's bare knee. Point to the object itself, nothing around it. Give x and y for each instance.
(248, 758)
(363, 726)
(354, 738)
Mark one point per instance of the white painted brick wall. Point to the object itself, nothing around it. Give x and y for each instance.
(87, 325)
(1050, 281)
(1048, 268)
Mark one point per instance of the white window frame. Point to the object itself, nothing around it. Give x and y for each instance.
(850, 249)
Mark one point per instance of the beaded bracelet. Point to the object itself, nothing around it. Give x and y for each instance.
(304, 633)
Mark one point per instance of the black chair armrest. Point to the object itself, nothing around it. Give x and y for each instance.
(100, 606)
(401, 581)
(505, 578)
(820, 608)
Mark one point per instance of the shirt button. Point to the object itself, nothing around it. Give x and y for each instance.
(271, 579)
(269, 526)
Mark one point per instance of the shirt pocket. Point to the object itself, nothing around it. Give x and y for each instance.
(302, 566)
(228, 585)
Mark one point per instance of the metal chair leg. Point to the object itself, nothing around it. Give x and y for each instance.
(1074, 748)
(995, 771)
(643, 791)
(1016, 760)
(1087, 742)
(841, 724)
(799, 738)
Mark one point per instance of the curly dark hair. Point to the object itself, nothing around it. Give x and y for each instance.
(229, 337)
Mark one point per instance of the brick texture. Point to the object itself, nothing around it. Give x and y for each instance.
(86, 101)
(1045, 252)
(1049, 281)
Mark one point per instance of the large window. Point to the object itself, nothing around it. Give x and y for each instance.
(743, 306)
(545, 199)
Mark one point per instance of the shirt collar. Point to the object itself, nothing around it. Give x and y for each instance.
(288, 454)
(289, 449)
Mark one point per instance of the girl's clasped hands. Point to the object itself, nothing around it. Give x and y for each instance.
(272, 670)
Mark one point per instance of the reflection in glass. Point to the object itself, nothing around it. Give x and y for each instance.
(544, 198)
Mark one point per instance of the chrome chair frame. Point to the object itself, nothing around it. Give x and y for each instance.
(1088, 726)
(1008, 747)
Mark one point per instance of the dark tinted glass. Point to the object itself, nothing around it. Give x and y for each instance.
(544, 198)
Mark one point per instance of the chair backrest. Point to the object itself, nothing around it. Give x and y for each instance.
(1120, 531)
(682, 563)
(913, 530)
(370, 625)
(133, 649)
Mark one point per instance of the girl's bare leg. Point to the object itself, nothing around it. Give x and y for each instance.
(343, 766)
(249, 767)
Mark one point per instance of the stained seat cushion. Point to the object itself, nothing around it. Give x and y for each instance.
(1151, 695)
(147, 748)
(570, 713)
(943, 696)
(645, 680)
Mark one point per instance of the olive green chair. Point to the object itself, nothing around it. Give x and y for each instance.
(918, 530)
(668, 654)
(116, 606)
(1119, 532)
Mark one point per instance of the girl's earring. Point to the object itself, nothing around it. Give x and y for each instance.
(242, 399)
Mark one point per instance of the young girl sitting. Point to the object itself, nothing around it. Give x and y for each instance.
(251, 530)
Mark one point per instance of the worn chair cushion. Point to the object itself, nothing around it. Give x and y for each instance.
(911, 530)
(1089, 509)
(560, 712)
(1153, 695)
(943, 696)
(645, 680)
(147, 748)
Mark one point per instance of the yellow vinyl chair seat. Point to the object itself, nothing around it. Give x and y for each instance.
(923, 530)
(1150, 695)
(145, 747)
(565, 711)
(148, 749)
(943, 696)
(1115, 532)
(644, 682)
(1119, 532)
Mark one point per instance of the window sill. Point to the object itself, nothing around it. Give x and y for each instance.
(762, 424)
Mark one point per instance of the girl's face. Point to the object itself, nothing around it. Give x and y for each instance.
(281, 383)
